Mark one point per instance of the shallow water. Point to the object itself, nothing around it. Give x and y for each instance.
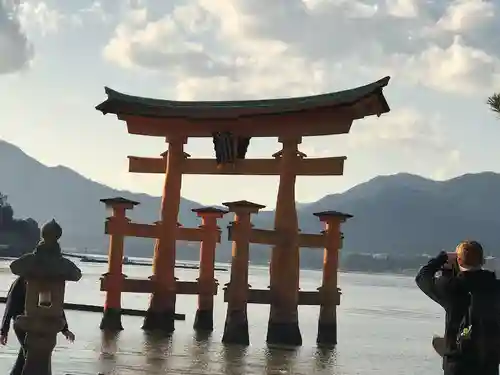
(385, 327)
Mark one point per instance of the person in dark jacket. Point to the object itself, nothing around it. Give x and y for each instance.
(16, 297)
(461, 274)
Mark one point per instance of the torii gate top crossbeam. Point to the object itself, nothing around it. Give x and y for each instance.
(324, 114)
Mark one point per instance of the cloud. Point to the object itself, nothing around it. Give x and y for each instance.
(16, 51)
(250, 48)
(457, 68)
(419, 139)
(405, 127)
(177, 45)
(27, 20)
(450, 166)
(467, 15)
(45, 18)
(18, 20)
(41, 16)
(402, 8)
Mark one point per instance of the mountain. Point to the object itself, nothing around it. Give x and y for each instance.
(43, 193)
(396, 214)
(407, 214)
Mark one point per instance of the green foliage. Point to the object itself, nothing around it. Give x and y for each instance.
(494, 103)
(3, 200)
(17, 233)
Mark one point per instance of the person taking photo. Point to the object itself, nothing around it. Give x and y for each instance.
(470, 296)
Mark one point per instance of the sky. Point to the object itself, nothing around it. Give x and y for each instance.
(443, 57)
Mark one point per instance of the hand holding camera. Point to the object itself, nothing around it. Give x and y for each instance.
(451, 262)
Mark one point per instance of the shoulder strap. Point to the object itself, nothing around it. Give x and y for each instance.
(468, 315)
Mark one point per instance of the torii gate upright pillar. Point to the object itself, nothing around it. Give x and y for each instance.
(283, 327)
(204, 319)
(329, 291)
(161, 313)
(111, 320)
(236, 326)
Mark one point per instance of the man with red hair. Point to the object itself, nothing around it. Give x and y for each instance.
(470, 295)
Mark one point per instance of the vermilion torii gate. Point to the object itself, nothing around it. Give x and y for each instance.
(232, 124)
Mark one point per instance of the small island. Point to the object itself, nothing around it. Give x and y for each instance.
(17, 237)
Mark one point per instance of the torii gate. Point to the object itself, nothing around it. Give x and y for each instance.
(232, 124)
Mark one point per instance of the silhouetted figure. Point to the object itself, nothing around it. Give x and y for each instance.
(470, 298)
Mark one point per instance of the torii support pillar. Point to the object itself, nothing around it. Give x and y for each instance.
(236, 326)
(160, 315)
(284, 271)
(204, 319)
(111, 319)
(329, 291)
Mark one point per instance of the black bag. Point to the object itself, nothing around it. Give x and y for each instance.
(479, 332)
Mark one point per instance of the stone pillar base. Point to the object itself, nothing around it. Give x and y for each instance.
(236, 328)
(327, 334)
(111, 320)
(284, 333)
(204, 320)
(163, 321)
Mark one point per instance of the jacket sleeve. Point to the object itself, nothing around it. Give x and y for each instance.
(427, 282)
(11, 305)
(65, 328)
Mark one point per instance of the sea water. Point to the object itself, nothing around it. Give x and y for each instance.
(385, 326)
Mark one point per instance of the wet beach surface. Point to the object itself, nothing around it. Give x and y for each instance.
(385, 327)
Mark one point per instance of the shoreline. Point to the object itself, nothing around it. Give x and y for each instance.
(409, 272)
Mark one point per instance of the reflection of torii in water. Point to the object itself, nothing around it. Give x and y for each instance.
(228, 148)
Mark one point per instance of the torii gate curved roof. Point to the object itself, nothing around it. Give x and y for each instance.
(308, 115)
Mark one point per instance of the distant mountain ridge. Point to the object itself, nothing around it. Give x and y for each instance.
(396, 214)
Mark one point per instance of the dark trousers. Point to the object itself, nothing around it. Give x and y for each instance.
(466, 369)
(19, 364)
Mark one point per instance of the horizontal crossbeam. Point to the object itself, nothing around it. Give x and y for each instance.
(263, 297)
(327, 121)
(332, 166)
(147, 286)
(153, 231)
(272, 237)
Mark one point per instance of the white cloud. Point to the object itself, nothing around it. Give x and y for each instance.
(52, 16)
(405, 127)
(406, 139)
(466, 15)
(16, 51)
(418, 141)
(20, 20)
(457, 68)
(176, 45)
(96, 9)
(236, 49)
(450, 166)
(41, 16)
(248, 48)
(402, 8)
